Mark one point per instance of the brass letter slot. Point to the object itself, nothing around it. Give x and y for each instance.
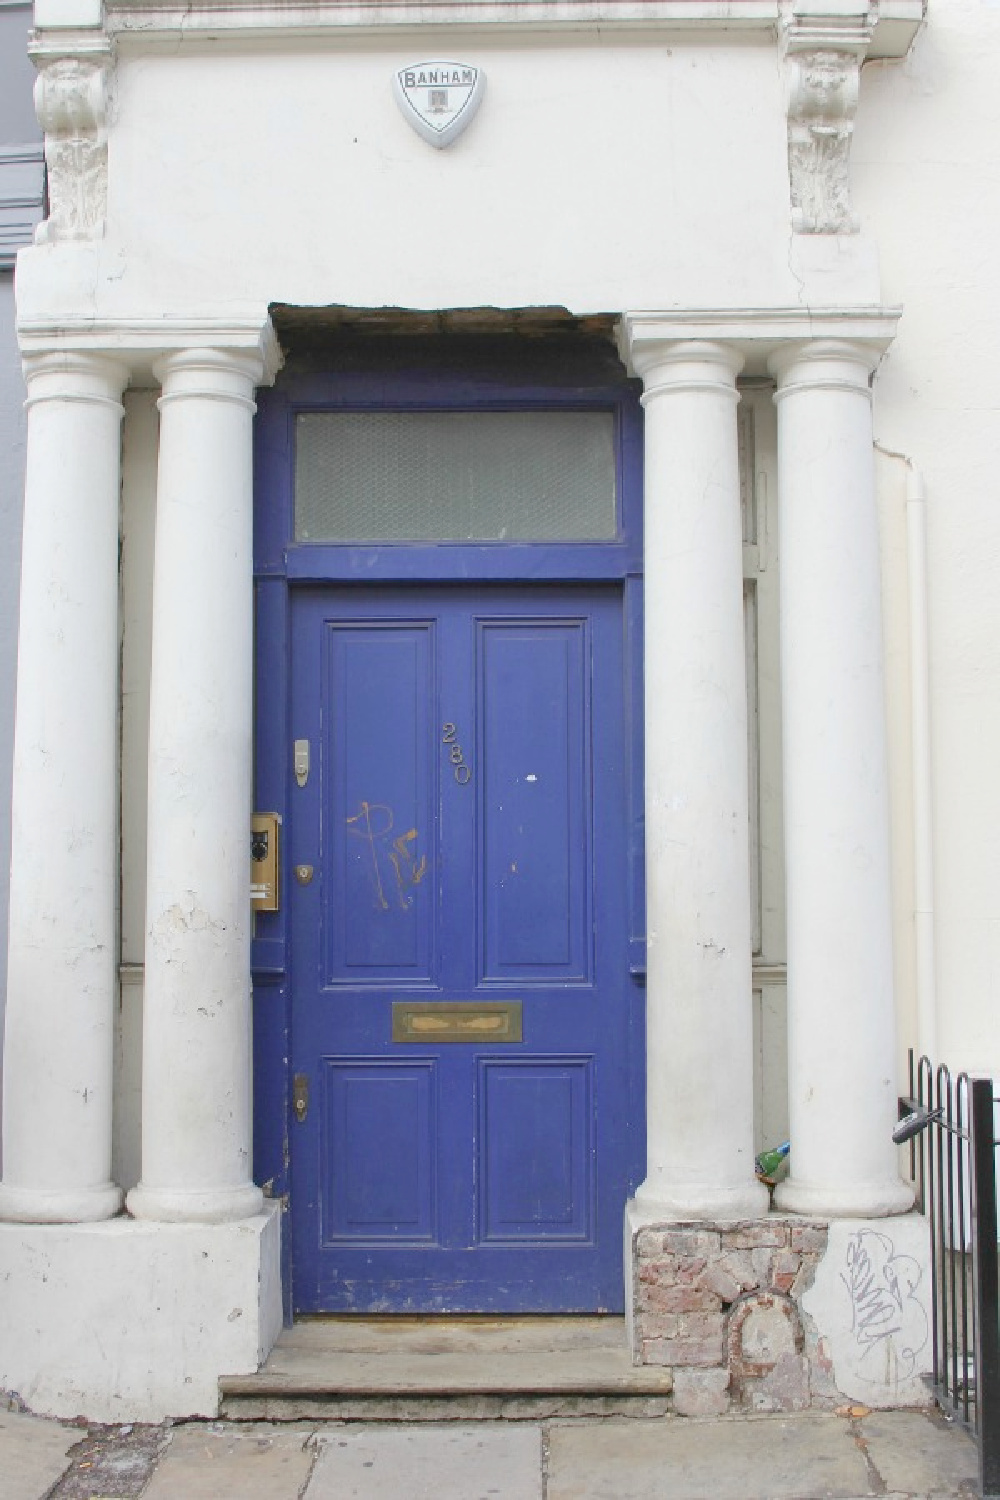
(456, 1021)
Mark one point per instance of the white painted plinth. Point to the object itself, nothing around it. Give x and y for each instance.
(871, 1306)
(125, 1321)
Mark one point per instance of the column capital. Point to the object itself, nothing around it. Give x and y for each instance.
(825, 364)
(74, 375)
(670, 365)
(211, 374)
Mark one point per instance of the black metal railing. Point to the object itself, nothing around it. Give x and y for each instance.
(950, 1126)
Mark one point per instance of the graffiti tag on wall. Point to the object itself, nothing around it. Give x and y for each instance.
(888, 1321)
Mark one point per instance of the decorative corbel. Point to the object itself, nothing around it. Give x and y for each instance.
(823, 57)
(70, 103)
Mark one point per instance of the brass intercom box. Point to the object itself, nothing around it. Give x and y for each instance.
(265, 862)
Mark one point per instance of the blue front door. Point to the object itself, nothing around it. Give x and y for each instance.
(463, 1018)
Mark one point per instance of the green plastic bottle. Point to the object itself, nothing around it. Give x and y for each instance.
(769, 1162)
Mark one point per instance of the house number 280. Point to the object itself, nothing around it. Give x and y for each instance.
(462, 772)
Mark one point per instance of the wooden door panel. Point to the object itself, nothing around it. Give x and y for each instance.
(535, 815)
(379, 911)
(380, 1131)
(536, 1127)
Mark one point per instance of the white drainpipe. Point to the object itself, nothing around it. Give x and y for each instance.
(923, 843)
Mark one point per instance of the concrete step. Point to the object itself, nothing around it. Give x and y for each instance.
(439, 1369)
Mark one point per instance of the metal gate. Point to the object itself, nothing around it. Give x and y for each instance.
(949, 1122)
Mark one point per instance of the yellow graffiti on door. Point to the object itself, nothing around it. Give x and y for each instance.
(374, 823)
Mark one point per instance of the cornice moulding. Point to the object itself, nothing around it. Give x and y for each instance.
(51, 45)
(138, 343)
(759, 332)
(138, 24)
(381, 15)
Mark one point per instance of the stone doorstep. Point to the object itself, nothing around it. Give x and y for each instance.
(389, 1409)
(440, 1369)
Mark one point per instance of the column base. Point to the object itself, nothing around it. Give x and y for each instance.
(22, 1205)
(655, 1201)
(173, 1206)
(861, 1200)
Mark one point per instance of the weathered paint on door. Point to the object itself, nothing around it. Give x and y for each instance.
(465, 820)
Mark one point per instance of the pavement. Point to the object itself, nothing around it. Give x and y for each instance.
(806, 1456)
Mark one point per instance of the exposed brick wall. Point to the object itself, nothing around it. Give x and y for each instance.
(720, 1304)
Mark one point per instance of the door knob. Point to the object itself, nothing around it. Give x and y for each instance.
(303, 874)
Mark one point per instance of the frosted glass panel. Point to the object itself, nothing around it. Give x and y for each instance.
(455, 477)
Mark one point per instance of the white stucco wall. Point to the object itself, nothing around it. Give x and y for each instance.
(17, 127)
(140, 434)
(11, 481)
(599, 175)
(891, 479)
(926, 167)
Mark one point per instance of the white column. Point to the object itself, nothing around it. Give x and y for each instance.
(841, 1061)
(58, 1048)
(196, 1016)
(700, 1160)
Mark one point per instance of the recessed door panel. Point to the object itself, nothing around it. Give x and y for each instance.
(379, 1130)
(536, 812)
(462, 1004)
(536, 1157)
(379, 813)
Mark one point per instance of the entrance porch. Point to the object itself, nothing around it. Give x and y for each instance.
(196, 1185)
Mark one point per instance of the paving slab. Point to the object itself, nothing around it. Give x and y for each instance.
(429, 1463)
(812, 1457)
(33, 1454)
(212, 1462)
(920, 1451)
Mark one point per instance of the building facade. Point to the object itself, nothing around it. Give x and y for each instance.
(21, 207)
(505, 676)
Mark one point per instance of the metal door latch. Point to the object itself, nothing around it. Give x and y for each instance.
(300, 1096)
(300, 761)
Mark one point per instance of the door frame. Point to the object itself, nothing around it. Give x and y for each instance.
(391, 380)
